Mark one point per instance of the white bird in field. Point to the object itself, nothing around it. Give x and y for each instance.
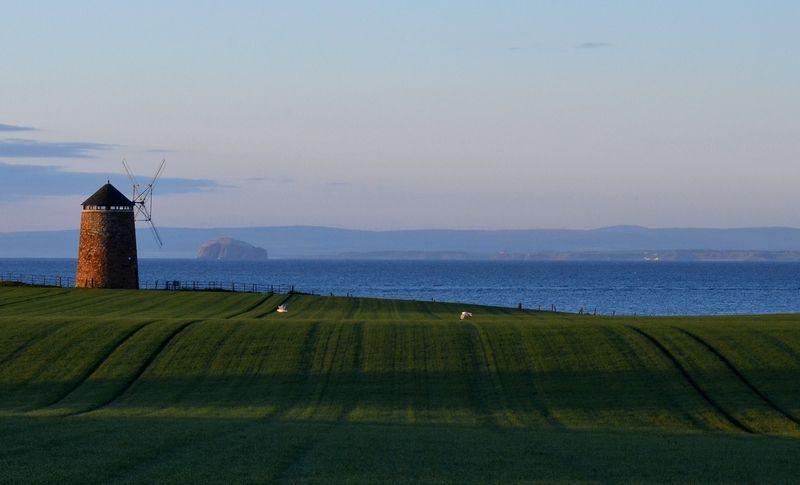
(465, 315)
(283, 308)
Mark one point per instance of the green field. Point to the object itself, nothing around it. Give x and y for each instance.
(159, 387)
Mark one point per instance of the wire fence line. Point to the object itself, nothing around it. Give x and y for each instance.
(38, 279)
(215, 286)
(229, 286)
(175, 285)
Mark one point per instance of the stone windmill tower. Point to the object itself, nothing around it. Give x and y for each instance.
(107, 248)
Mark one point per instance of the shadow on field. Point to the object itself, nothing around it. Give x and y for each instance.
(599, 400)
(94, 450)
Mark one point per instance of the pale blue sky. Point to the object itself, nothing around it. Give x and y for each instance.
(446, 114)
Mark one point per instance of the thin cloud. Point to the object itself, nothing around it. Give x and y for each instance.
(34, 181)
(593, 45)
(23, 148)
(280, 180)
(5, 127)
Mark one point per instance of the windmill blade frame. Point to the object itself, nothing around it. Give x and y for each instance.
(156, 236)
(143, 199)
(149, 219)
(157, 176)
(131, 177)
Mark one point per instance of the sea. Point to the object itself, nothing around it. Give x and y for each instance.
(621, 288)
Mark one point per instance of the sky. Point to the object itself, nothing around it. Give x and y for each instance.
(403, 115)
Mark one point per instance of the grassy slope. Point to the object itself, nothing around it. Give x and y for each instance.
(100, 385)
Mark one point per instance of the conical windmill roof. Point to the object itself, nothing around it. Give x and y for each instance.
(108, 195)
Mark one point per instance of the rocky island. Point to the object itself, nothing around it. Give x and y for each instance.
(229, 249)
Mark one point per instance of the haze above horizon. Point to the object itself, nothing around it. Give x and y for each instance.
(370, 115)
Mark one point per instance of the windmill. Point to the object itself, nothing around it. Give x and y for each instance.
(143, 199)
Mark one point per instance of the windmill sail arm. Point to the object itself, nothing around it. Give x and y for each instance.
(128, 171)
(132, 178)
(158, 174)
(156, 236)
(143, 199)
(145, 212)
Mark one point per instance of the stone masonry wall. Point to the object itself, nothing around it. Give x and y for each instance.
(107, 250)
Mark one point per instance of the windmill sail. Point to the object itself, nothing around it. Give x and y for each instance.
(143, 199)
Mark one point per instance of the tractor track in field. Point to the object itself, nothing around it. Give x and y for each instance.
(92, 368)
(685, 373)
(780, 344)
(141, 370)
(309, 345)
(744, 380)
(358, 366)
(546, 412)
(620, 339)
(72, 305)
(326, 375)
(352, 309)
(27, 300)
(253, 307)
(296, 453)
(28, 344)
(303, 372)
(270, 312)
(298, 450)
(480, 366)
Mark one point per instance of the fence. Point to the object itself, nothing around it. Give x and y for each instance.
(175, 285)
(38, 279)
(215, 286)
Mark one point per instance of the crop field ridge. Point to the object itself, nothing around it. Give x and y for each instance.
(31, 340)
(46, 294)
(358, 365)
(485, 381)
(304, 384)
(141, 369)
(777, 342)
(91, 369)
(691, 381)
(117, 386)
(249, 309)
(273, 309)
(740, 376)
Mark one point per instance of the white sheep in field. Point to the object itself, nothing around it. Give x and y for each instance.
(465, 315)
(283, 308)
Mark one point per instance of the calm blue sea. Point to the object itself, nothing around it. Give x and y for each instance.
(645, 288)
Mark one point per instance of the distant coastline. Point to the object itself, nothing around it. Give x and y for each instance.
(620, 243)
(589, 256)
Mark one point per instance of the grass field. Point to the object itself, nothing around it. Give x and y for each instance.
(159, 387)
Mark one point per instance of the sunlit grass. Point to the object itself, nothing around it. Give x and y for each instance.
(221, 387)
